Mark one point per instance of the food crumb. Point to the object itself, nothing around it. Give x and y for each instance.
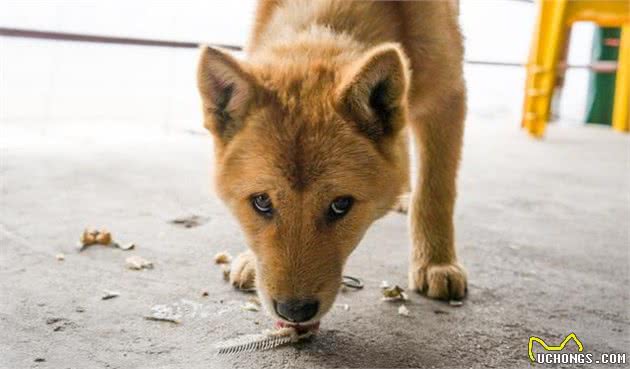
(222, 257)
(136, 262)
(205, 293)
(189, 221)
(402, 310)
(250, 306)
(127, 246)
(109, 295)
(456, 303)
(162, 319)
(103, 237)
(60, 257)
(91, 237)
(395, 293)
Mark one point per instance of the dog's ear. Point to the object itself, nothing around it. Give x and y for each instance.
(373, 91)
(226, 90)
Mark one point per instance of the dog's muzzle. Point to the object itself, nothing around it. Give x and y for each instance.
(296, 311)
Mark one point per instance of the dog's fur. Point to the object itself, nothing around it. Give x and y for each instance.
(318, 110)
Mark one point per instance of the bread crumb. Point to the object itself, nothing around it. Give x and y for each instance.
(60, 257)
(250, 306)
(103, 237)
(456, 303)
(395, 293)
(88, 237)
(127, 246)
(138, 263)
(402, 310)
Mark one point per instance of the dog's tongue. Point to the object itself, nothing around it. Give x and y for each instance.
(300, 328)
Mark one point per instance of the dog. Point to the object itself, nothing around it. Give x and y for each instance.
(311, 136)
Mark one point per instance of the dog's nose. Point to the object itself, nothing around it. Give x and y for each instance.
(296, 311)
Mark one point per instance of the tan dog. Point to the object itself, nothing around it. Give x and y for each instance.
(311, 145)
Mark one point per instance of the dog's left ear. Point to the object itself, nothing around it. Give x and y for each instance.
(373, 91)
(226, 90)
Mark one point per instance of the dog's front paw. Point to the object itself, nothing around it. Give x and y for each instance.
(243, 271)
(439, 281)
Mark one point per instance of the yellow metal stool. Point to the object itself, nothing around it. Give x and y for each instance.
(555, 18)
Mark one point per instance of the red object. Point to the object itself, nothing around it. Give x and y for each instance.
(612, 42)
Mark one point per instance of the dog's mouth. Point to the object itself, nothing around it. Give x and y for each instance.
(300, 328)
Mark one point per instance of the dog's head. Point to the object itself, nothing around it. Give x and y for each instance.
(308, 154)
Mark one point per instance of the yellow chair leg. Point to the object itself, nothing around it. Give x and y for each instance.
(620, 119)
(543, 64)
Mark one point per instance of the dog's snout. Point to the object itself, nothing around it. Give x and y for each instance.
(296, 311)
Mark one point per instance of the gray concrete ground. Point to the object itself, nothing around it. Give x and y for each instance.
(542, 227)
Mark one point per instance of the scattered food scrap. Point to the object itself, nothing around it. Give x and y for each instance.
(189, 221)
(60, 257)
(395, 293)
(100, 237)
(107, 295)
(165, 313)
(402, 310)
(456, 303)
(88, 237)
(385, 284)
(127, 246)
(222, 257)
(103, 237)
(79, 309)
(136, 262)
(253, 304)
(205, 293)
(162, 319)
(345, 307)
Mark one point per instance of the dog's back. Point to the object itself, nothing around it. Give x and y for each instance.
(427, 31)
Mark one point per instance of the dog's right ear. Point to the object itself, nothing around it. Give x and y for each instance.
(226, 92)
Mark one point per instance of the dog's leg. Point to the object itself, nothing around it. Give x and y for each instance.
(438, 130)
(243, 271)
(402, 204)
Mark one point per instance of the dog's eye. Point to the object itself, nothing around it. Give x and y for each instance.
(340, 207)
(262, 204)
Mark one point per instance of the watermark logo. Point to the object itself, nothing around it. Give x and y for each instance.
(554, 354)
(560, 347)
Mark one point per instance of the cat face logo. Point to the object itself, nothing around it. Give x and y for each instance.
(560, 347)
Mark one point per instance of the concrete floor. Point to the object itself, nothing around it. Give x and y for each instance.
(542, 227)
